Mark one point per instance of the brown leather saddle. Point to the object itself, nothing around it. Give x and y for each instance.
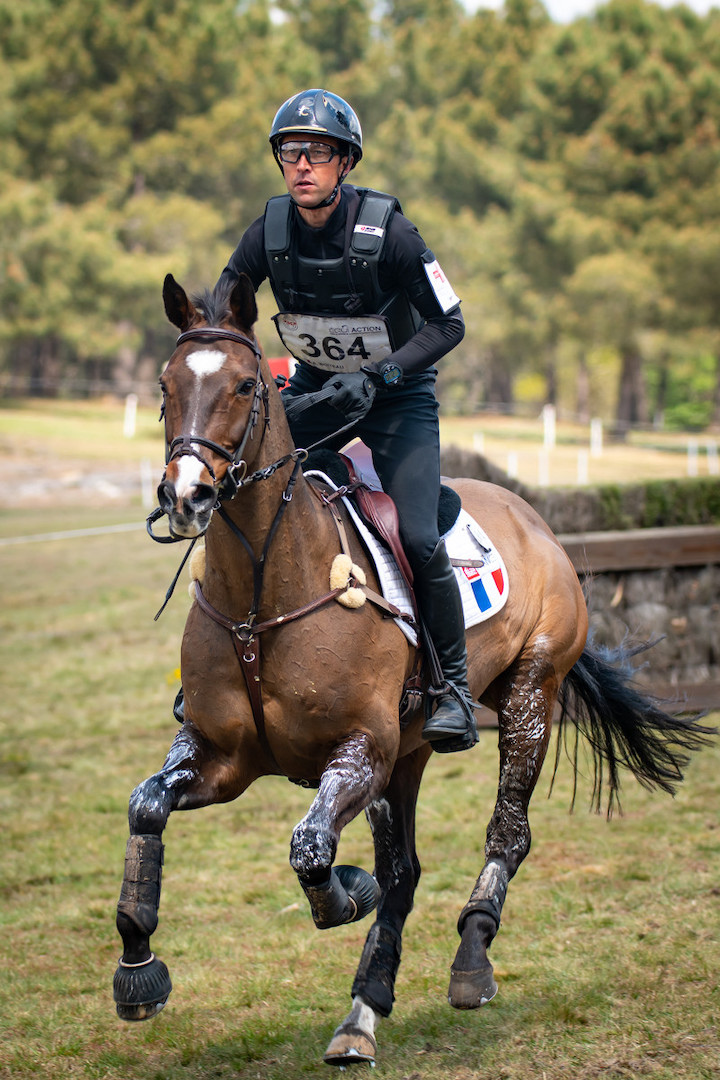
(376, 508)
(379, 512)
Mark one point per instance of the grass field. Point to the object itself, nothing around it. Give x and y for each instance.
(74, 452)
(607, 959)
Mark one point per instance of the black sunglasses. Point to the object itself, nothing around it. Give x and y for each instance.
(317, 153)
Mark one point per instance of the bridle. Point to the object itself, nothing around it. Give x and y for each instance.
(236, 475)
(184, 445)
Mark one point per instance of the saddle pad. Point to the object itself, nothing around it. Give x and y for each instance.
(483, 588)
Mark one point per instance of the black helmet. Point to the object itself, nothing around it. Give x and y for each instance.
(318, 112)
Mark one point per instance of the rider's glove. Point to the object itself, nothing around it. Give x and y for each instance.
(354, 393)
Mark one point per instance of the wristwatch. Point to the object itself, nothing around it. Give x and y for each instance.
(385, 374)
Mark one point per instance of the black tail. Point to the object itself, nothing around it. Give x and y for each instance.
(625, 727)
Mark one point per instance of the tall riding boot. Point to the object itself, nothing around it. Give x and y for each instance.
(452, 725)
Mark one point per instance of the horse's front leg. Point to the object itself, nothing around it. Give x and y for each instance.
(525, 711)
(190, 777)
(352, 777)
(392, 819)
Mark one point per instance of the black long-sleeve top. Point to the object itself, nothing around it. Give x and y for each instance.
(402, 267)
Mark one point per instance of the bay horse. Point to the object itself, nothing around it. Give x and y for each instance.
(280, 679)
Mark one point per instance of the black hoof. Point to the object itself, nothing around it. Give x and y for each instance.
(361, 887)
(471, 989)
(141, 990)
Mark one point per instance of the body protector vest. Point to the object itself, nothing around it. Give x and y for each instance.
(333, 313)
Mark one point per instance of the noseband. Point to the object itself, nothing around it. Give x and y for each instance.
(184, 445)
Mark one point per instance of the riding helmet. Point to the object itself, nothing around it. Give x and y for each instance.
(318, 112)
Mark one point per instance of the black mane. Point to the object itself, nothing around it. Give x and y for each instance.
(214, 304)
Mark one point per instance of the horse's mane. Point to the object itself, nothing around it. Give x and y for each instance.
(214, 304)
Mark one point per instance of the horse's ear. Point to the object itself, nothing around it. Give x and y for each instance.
(242, 302)
(178, 308)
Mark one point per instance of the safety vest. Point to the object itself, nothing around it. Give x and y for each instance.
(345, 286)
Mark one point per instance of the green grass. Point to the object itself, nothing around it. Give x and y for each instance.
(607, 959)
(59, 441)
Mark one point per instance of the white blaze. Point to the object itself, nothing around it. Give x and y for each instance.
(205, 362)
(188, 475)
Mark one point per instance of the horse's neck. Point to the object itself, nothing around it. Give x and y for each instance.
(298, 555)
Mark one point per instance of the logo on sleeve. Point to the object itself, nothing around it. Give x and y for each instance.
(444, 292)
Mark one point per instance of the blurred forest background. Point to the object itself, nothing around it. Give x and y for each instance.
(566, 176)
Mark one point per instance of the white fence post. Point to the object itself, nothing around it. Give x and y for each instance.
(131, 403)
(548, 416)
(596, 438)
(692, 457)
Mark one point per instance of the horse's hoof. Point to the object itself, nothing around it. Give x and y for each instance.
(350, 1045)
(141, 990)
(471, 989)
(361, 887)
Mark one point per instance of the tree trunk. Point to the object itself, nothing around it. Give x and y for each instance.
(498, 383)
(662, 389)
(551, 388)
(715, 416)
(632, 399)
(582, 401)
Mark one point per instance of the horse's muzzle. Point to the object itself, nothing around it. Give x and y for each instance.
(189, 513)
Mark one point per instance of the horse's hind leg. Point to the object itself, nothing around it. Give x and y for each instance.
(525, 706)
(190, 777)
(392, 819)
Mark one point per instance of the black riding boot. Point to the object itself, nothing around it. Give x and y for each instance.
(452, 725)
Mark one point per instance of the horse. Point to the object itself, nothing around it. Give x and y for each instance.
(280, 678)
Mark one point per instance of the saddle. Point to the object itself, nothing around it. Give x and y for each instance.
(376, 508)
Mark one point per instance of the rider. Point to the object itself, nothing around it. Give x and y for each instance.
(366, 311)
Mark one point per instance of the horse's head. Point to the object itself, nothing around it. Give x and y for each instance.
(213, 398)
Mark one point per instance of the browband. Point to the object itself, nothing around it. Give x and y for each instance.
(217, 332)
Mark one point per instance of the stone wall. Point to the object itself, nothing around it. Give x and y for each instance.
(679, 607)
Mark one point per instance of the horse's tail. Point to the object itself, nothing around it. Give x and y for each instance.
(624, 726)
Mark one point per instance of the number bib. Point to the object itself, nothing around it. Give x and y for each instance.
(334, 343)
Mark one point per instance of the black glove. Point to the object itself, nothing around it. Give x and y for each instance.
(354, 393)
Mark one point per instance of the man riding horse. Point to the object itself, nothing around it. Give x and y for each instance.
(366, 311)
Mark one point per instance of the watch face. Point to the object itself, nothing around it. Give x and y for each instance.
(391, 373)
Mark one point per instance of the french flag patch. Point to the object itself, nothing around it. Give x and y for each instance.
(479, 570)
(487, 588)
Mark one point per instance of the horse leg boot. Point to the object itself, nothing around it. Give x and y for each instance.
(524, 723)
(142, 983)
(191, 776)
(392, 820)
(452, 726)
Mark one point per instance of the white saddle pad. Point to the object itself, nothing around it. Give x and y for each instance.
(479, 569)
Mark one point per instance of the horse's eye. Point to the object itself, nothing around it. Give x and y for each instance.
(244, 388)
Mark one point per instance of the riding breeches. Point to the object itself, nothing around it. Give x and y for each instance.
(402, 433)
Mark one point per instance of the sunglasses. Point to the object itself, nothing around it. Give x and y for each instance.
(317, 153)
